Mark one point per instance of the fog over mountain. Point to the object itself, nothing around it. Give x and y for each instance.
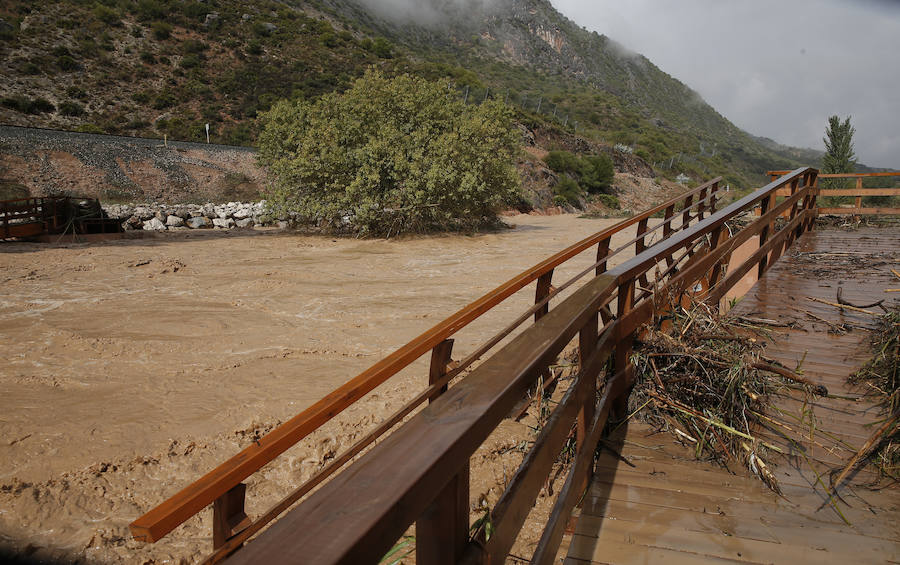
(430, 12)
(776, 69)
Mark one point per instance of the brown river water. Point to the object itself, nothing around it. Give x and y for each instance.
(130, 368)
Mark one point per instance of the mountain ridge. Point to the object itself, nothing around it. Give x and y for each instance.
(158, 68)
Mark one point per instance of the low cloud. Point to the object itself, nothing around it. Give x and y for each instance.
(770, 75)
(431, 13)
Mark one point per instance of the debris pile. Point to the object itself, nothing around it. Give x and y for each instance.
(706, 381)
(882, 374)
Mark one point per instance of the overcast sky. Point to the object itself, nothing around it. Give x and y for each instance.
(776, 68)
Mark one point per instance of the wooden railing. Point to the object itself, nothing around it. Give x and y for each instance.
(28, 217)
(857, 193)
(223, 488)
(419, 473)
(24, 217)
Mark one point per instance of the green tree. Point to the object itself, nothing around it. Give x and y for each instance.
(597, 173)
(390, 156)
(839, 155)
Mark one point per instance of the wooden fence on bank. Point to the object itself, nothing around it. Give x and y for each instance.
(857, 193)
(31, 217)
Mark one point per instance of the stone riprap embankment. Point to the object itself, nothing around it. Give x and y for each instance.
(39, 162)
(162, 217)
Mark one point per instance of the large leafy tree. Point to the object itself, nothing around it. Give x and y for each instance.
(839, 154)
(390, 155)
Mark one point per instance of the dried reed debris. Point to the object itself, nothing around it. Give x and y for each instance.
(882, 374)
(706, 380)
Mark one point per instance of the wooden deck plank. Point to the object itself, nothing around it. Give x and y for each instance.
(651, 502)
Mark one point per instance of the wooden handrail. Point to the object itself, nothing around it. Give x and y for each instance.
(399, 478)
(650, 257)
(839, 175)
(857, 192)
(176, 510)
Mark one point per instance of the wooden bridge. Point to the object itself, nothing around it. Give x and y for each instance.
(642, 499)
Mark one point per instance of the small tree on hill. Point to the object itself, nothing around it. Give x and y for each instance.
(839, 155)
(390, 156)
(593, 174)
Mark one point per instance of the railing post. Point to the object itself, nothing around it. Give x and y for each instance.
(795, 209)
(544, 285)
(714, 192)
(442, 530)
(859, 185)
(701, 205)
(229, 518)
(440, 361)
(542, 291)
(812, 179)
(765, 206)
(716, 238)
(602, 252)
(640, 245)
(667, 221)
(623, 347)
(587, 344)
(686, 217)
(667, 228)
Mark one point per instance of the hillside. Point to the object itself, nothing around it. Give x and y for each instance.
(37, 162)
(159, 68)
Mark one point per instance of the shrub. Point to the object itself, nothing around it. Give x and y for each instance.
(193, 46)
(190, 61)
(40, 106)
(562, 161)
(195, 10)
(161, 30)
(261, 29)
(594, 173)
(151, 10)
(106, 15)
(31, 68)
(254, 47)
(17, 103)
(163, 100)
(329, 39)
(71, 109)
(66, 63)
(382, 48)
(89, 128)
(76, 92)
(608, 200)
(390, 156)
(568, 190)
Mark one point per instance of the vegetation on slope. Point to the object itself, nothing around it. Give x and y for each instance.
(168, 67)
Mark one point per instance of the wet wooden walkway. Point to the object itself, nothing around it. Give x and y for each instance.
(656, 504)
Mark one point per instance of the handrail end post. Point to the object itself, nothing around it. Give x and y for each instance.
(442, 531)
(229, 518)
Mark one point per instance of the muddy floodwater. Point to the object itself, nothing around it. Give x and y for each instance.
(130, 368)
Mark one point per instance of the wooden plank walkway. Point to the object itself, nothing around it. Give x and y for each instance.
(656, 504)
